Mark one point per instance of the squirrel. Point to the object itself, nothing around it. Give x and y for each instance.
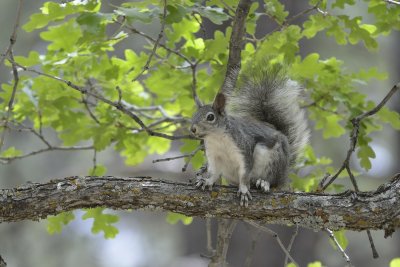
(253, 132)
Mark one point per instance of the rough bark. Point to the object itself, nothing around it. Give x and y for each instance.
(350, 210)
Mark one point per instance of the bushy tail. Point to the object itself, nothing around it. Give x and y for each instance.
(267, 94)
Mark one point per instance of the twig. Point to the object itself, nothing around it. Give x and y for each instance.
(189, 156)
(6, 160)
(354, 135)
(210, 250)
(333, 238)
(393, 2)
(274, 235)
(250, 254)
(289, 248)
(194, 86)
(13, 37)
(225, 230)
(12, 98)
(2, 262)
(235, 45)
(160, 35)
(136, 31)
(94, 161)
(373, 248)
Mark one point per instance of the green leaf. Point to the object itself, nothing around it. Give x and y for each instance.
(11, 152)
(63, 37)
(365, 152)
(102, 222)
(56, 223)
(31, 60)
(138, 14)
(331, 126)
(215, 14)
(100, 170)
(341, 3)
(174, 218)
(395, 262)
(391, 117)
(276, 9)
(54, 12)
(315, 264)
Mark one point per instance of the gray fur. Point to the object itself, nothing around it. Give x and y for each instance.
(257, 135)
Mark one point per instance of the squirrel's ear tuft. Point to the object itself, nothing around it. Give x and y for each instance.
(219, 103)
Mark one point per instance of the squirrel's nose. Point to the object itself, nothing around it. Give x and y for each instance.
(193, 129)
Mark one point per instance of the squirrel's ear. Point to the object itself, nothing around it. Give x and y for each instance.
(219, 103)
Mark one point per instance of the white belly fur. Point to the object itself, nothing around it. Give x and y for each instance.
(224, 157)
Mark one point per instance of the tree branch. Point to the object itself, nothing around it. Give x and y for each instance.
(235, 45)
(349, 210)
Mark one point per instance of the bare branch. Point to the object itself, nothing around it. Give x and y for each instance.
(194, 86)
(225, 230)
(393, 2)
(189, 156)
(13, 37)
(274, 235)
(160, 35)
(148, 37)
(354, 136)
(345, 256)
(6, 160)
(289, 248)
(250, 254)
(235, 44)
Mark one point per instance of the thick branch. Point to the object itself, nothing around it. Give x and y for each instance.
(350, 210)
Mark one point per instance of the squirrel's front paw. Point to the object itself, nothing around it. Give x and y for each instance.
(244, 195)
(203, 183)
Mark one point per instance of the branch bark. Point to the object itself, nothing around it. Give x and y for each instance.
(349, 210)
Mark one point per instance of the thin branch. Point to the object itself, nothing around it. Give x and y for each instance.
(354, 136)
(12, 98)
(13, 37)
(289, 248)
(194, 86)
(160, 35)
(189, 156)
(235, 45)
(345, 256)
(393, 2)
(250, 254)
(2, 262)
(225, 230)
(148, 37)
(6, 160)
(94, 161)
(373, 248)
(210, 249)
(274, 235)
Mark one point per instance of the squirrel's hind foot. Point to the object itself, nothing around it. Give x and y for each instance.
(244, 195)
(263, 185)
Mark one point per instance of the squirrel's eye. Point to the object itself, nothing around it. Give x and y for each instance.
(210, 117)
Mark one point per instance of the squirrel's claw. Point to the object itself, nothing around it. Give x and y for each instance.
(244, 195)
(263, 185)
(204, 183)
